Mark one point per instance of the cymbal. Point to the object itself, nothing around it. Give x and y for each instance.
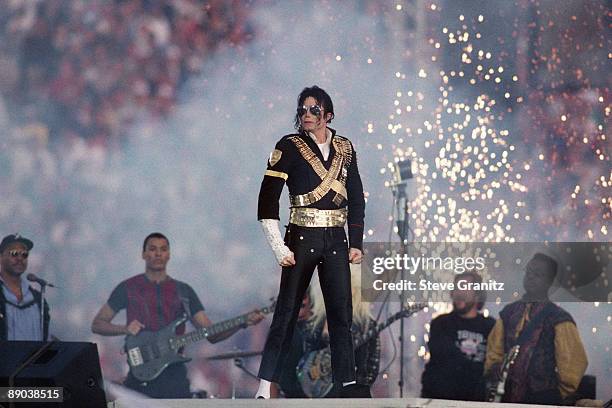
(235, 354)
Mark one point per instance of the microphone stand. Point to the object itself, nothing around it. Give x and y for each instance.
(239, 362)
(42, 310)
(43, 285)
(399, 195)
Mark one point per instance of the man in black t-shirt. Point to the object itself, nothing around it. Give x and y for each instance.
(152, 301)
(458, 345)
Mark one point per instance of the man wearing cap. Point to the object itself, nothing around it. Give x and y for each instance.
(19, 302)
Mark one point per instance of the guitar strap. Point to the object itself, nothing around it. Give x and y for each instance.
(527, 332)
(182, 293)
(534, 323)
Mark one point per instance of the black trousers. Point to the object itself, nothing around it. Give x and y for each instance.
(172, 383)
(326, 248)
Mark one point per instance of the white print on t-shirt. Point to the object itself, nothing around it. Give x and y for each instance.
(472, 345)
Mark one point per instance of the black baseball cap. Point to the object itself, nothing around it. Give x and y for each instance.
(9, 239)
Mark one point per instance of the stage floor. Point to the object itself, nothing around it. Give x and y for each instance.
(306, 403)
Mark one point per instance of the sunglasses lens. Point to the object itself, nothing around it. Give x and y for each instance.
(314, 110)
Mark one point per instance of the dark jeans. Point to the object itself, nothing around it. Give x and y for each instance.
(312, 247)
(172, 383)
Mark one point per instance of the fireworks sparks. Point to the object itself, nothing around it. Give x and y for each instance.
(462, 139)
(503, 153)
(463, 160)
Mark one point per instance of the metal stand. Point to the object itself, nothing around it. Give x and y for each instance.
(42, 311)
(401, 202)
(239, 362)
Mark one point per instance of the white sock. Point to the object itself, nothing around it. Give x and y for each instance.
(264, 389)
(349, 383)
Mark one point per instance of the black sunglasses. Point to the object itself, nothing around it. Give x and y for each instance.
(23, 254)
(314, 109)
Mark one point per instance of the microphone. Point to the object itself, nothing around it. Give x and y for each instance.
(33, 278)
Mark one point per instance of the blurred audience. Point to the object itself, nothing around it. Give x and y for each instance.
(87, 69)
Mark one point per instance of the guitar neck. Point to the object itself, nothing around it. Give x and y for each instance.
(509, 360)
(361, 340)
(496, 390)
(217, 328)
(210, 331)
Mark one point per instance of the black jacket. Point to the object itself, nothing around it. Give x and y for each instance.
(301, 179)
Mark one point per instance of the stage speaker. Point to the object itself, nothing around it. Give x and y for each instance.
(74, 366)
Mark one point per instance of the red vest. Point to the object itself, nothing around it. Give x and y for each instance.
(153, 304)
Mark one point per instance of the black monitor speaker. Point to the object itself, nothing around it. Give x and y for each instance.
(74, 366)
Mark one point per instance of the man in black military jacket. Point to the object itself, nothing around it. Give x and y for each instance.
(325, 191)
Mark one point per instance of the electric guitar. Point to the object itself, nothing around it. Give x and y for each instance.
(497, 389)
(314, 371)
(149, 353)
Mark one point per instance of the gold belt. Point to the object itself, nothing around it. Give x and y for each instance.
(313, 217)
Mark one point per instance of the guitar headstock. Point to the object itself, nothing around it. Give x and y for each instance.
(513, 354)
(270, 308)
(412, 308)
(510, 358)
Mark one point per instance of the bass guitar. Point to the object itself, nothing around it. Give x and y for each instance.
(149, 353)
